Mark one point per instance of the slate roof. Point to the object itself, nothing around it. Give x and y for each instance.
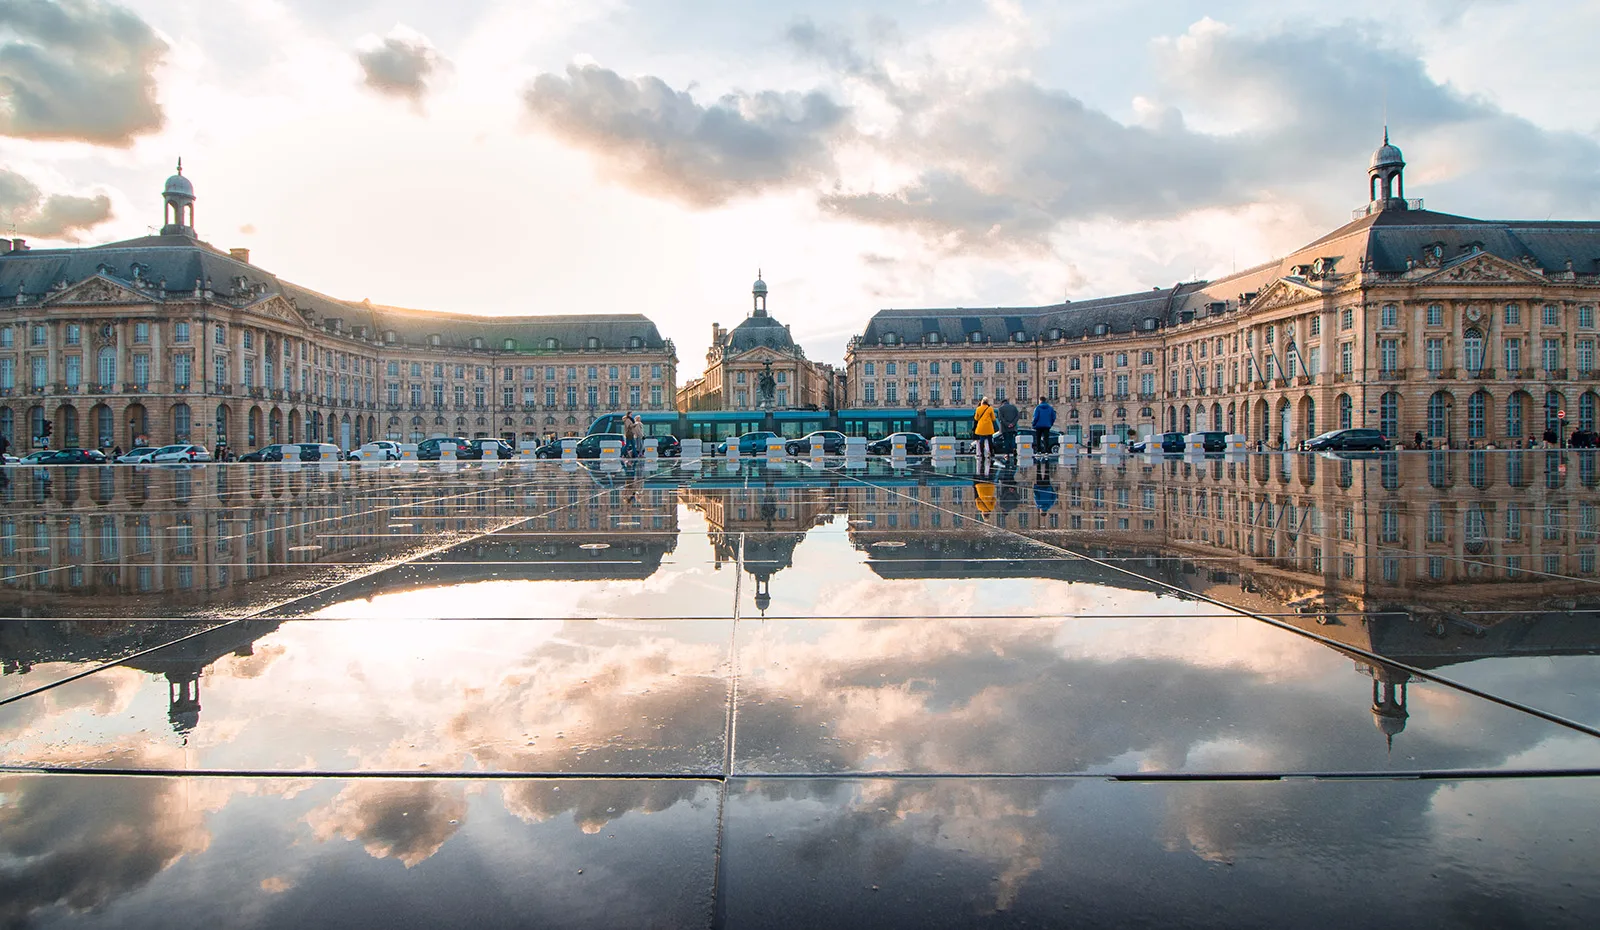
(180, 260)
(1384, 241)
(758, 331)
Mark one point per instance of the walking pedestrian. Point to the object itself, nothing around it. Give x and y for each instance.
(1009, 415)
(1044, 417)
(631, 429)
(983, 428)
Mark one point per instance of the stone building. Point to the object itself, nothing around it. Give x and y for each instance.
(739, 357)
(1470, 332)
(165, 338)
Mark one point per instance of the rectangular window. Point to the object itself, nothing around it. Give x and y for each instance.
(1389, 315)
(39, 370)
(1347, 355)
(1435, 315)
(1513, 353)
(219, 371)
(572, 395)
(141, 332)
(36, 335)
(1147, 357)
(1122, 385)
(891, 392)
(549, 397)
(1552, 315)
(611, 372)
(1434, 354)
(1147, 383)
(1316, 324)
(977, 368)
(1271, 333)
(249, 373)
(508, 397)
(7, 338)
(1388, 354)
(75, 371)
(219, 334)
(655, 395)
(1513, 314)
(1552, 354)
(141, 370)
(869, 393)
(870, 369)
(955, 368)
(889, 369)
(74, 334)
(1586, 317)
(1586, 355)
(1347, 319)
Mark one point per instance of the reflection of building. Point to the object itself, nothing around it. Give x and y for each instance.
(770, 521)
(166, 338)
(1466, 330)
(183, 663)
(739, 359)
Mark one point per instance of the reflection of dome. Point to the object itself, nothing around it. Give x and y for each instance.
(1388, 722)
(758, 331)
(1387, 155)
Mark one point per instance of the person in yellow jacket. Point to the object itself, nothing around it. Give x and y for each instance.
(983, 428)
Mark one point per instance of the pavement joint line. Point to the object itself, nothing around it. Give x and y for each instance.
(1272, 621)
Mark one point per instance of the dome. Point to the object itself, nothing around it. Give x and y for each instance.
(1388, 721)
(179, 185)
(760, 287)
(758, 331)
(1387, 156)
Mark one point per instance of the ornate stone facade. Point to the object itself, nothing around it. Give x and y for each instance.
(740, 359)
(166, 339)
(1470, 332)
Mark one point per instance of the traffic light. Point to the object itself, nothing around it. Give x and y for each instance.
(48, 428)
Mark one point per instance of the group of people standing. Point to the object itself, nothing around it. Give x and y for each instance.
(989, 420)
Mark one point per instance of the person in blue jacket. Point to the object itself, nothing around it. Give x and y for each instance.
(1044, 417)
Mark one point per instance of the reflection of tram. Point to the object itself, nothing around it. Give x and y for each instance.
(872, 423)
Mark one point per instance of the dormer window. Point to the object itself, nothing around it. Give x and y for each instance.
(593, 342)
(510, 345)
(1100, 329)
(477, 342)
(1055, 334)
(390, 336)
(974, 336)
(1019, 336)
(634, 342)
(890, 339)
(552, 343)
(433, 339)
(933, 339)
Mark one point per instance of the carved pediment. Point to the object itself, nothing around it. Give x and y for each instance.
(1281, 293)
(278, 308)
(98, 290)
(1483, 268)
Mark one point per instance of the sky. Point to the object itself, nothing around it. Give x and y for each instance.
(556, 156)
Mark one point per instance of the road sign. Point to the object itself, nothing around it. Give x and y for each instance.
(1561, 414)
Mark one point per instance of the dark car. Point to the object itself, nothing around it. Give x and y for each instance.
(475, 448)
(428, 449)
(589, 446)
(1349, 440)
(272, 453)
(1003, 446)
(916, 444)
(750, 443)
(667, 446)
(1172, 443)
(73, 457)
(832, 443)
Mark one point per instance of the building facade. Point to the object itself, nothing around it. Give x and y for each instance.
(1469, 332)
(165, 338)
(739, 358)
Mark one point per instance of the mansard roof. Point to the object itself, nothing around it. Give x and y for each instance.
(171, 265)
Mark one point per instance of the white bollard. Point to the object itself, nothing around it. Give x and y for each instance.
(528, 449)
(610, 450)
(816, 452)
(447, 452)
(408, 452)
(690, 453)
(1069, 449)
(652, 449)
(1194, 444)
(733, 449)
(1024, 447)
(569, 449)
(1236, 444)
(942, 447)
(491, 453)
(775, 449)
(291, 454)
(855, 448)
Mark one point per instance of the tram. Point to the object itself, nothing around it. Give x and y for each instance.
(712, 426)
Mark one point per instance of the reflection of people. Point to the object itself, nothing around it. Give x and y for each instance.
(1044, 493)
(983, 496)
(983, 428)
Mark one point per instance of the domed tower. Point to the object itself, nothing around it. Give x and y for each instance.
(1386, 181)
(758, 295)
(178, 215)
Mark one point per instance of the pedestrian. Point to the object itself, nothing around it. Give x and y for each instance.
(1009, 415)
(1044, 417)
(983, 428)
(1421, 443)
(630, 435)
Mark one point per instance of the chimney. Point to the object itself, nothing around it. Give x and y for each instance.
(5, 246)
(19, 245)
(240, 255)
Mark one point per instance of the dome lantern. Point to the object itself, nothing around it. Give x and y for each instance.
(758, 293)
(178, 209)
(1386, 183)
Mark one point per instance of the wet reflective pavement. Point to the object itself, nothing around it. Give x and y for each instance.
(1277, 690)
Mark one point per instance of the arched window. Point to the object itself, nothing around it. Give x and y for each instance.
(1439, 415)
(1216, 416)
(933, 339)
(1514, 414)
(1346, 411)
(1472, 350)
(975, 336)
(1477, 415)
(8, 424)
(108, 367)
(1311, 417)
(1389, 415)
(181, 426)
(1553, 402)
(1586, 411)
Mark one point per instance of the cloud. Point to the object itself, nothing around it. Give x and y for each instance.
(405, 820)
(400, 64)
(661, 142)
(78, 70)
(58, 216)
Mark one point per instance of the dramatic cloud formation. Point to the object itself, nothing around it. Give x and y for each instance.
(661, 142)
(81, 70)
(58, 216)
(400, 64)
(408, 820)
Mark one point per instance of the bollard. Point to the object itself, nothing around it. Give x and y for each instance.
(408, 452)
(528, 450)
(775, 449)
(689, 453)
(733, 449)
(291, 454)
(816, 452)
(610, 450)
(651, 449)
(1194, 444)
(1068, 449)
(855, 448)
(491, 453)
(1024, 447)
(942, 446)
(447, 452)
(569, 449)
(1236, 444)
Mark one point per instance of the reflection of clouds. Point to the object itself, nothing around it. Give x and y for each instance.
(595, 804)
(406, 820)
(80, 842)
(251, 664)
(108, 692)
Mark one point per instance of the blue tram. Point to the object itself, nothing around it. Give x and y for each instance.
(871, 423)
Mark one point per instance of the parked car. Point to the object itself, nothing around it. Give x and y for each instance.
(1349, 440)
(37, 457)
(320, 452)
(589, 446)
(383, 450)
(181, 452)
(550, 450)
(916, 444)
(1002, 446)
(67, 457)
(476, 446)
(832, 443)
(668, 446)
(1170, 443)
(750, 443)
(272, 453)
(428, 449)
(138, 455)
